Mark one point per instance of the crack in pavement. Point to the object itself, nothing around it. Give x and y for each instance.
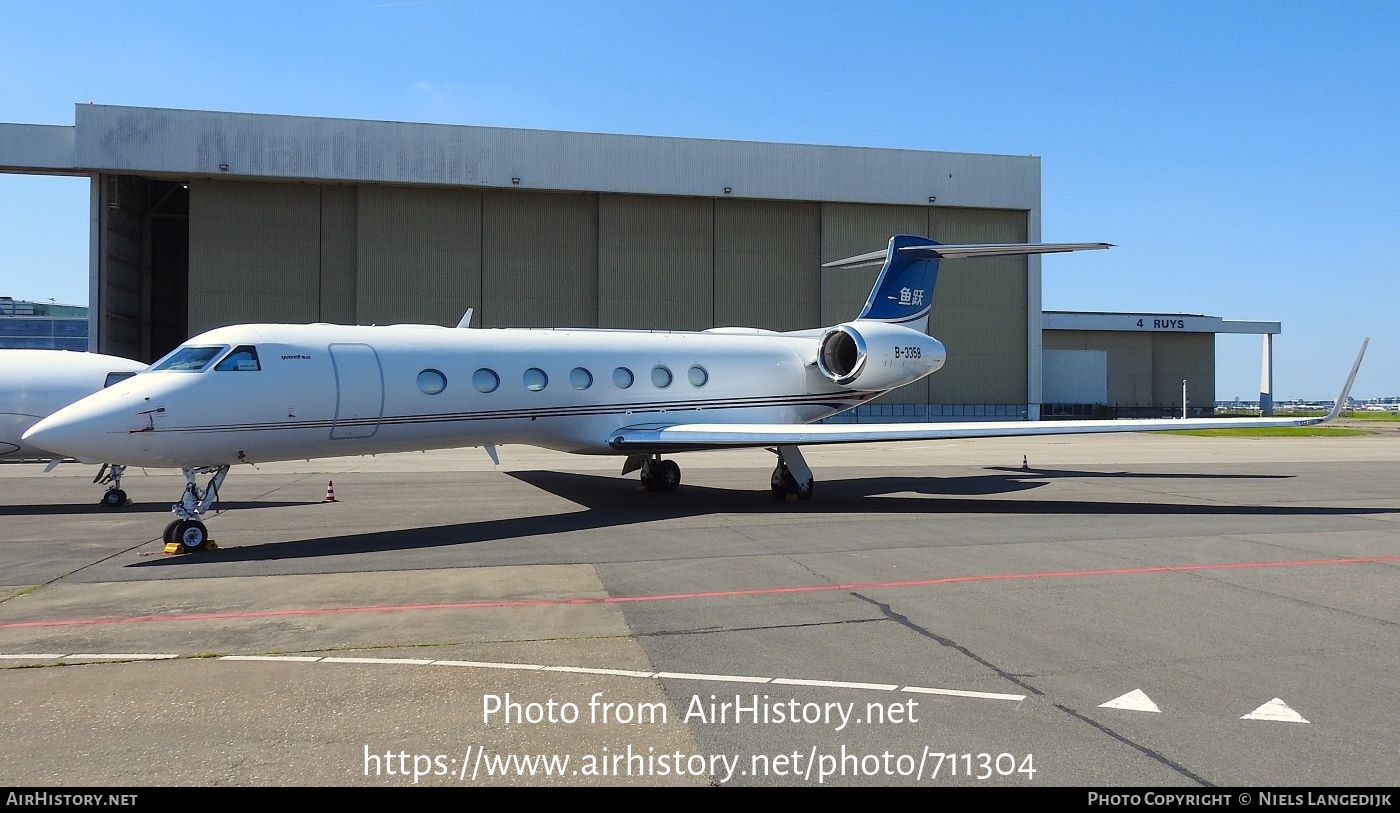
(904, 621)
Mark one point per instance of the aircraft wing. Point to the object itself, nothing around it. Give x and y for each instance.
(694, 436)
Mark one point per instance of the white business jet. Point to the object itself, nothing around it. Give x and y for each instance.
(253, 393)
(37, 383)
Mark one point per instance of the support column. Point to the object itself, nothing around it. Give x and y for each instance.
(96, 301)
(1266, 377)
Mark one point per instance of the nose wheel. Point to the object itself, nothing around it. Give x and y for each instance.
(188, 533)
(110, 475)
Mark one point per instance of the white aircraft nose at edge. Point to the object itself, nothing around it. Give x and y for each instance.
(252, 393)
(37, 383)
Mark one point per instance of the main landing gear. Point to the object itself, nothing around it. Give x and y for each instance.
(187, 533)
(660, 475)
(110, 475)
(791, 476)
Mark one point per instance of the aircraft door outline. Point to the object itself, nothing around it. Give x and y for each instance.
(359, 391)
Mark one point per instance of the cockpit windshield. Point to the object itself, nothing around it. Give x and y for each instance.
(244, 358)
(189, 359)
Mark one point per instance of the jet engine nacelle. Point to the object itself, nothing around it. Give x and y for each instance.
(870, 356)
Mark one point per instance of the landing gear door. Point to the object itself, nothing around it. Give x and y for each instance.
(359, 391)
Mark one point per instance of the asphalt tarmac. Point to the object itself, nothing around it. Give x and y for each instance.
(1129, 610)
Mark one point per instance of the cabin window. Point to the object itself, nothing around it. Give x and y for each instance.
(661, 377)
(243, 359)
(623, 378)
(698, 376)
(190, 359)
(485, 380)
(113, 378)
(581, 378)
(432, 382)
(535, 379)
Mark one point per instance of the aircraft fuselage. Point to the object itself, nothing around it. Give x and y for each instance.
(310, 391)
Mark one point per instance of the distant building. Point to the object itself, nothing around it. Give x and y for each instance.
(1140, 365)
(42, 325)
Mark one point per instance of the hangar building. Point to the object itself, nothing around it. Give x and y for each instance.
(202, 218)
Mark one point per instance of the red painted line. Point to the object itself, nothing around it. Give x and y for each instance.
(755, 591)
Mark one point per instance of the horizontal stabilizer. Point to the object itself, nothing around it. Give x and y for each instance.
(951, 252)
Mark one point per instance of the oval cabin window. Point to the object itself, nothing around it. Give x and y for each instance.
(535, 379)
(432, 382)
(485, 380)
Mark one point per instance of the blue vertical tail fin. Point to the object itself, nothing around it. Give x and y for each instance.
(903, 293)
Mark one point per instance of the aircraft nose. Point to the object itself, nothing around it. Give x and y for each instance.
(67, 432)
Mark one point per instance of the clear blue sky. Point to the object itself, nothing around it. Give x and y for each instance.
(1242, 155)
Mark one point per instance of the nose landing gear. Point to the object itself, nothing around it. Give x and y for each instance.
(187, 533)
(110, 475)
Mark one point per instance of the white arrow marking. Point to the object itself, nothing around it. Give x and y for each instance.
(1275, 710)
(1132, 701)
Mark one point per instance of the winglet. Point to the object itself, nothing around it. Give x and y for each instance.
(1341, 403)
(466, 320)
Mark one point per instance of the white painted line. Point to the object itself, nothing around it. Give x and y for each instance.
(585, 670)
(1277, 711)
(277, 658)
(836, 684)
(408, 661)
(535, 667)
(1136, 700)
(125, 656)
(961, 693)
(718, 678)
(528, 667)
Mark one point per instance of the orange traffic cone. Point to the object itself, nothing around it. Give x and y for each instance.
(1025, 463)
(330, 492)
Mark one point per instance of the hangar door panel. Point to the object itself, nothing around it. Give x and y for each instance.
(1076, 376)
(359, 391)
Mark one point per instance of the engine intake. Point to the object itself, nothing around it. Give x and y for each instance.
(842, 355)
(871, 356)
